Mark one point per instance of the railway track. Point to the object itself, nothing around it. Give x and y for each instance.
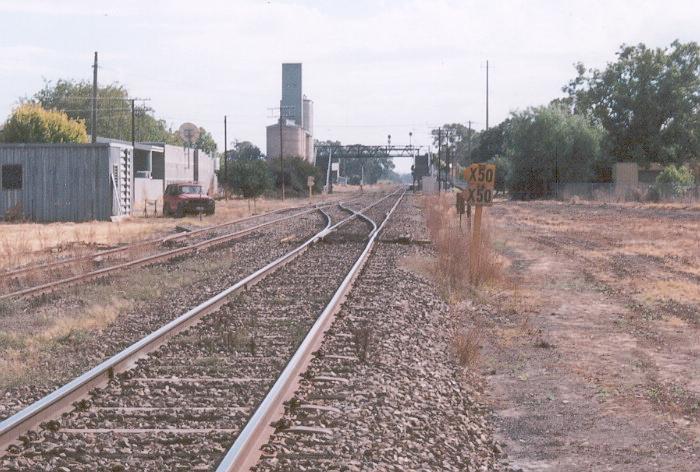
(382, 391)
(179, 407)
(45, 278)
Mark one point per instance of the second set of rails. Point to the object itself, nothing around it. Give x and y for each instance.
(218, 372)
(43, 278)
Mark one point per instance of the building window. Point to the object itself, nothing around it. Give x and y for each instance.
(12, 177)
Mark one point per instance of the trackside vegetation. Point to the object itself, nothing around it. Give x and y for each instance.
(643, 107)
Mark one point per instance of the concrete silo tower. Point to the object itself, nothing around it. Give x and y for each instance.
(296, 136)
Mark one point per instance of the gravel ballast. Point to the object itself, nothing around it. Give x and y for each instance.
(384, 391)
(183, 404)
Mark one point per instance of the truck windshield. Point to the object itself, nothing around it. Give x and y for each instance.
(191, 189)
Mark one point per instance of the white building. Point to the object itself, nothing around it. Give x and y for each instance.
(158, 164)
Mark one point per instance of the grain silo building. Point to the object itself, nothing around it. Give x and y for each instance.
(296, 111)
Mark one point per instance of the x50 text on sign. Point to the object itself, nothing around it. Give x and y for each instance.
(481, 180)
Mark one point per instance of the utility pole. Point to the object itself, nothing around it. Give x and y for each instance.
(438, 157)
(469, 141)
(133, 125)
(362, 175)
(329, 181)
(225, 152)
(487, 94)
(93, 118)
(281, 153)
(447, 155)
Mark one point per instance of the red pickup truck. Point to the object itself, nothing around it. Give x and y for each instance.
(182, 198)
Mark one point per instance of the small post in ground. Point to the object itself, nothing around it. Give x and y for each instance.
(481, 179)
(310, 183)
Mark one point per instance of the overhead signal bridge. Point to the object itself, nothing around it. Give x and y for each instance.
(366, 152)
(358, 151)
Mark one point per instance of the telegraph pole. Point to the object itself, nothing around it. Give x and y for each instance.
(487, 94)
(281, 154)
(225, 152)
(448, 158)
(93, 118)
(438, 157)
(133, 125)
(469, 142)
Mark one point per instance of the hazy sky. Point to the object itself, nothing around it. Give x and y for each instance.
(372, 67)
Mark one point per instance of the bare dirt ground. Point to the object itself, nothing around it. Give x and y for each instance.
(591, 346)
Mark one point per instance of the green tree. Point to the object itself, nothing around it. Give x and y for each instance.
(648, 101)
(33, 124)
(548, 145)
(458, 139)
(674, 180)
(502, 171)
(296, 172)
(490, 143)
(243, 150)
(206, 142)
(375, 168)
(113, 112)
(249, 179)
(247, 151)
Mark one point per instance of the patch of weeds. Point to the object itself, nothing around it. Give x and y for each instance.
(10, 341)
(362, 338)
(644, 312)
(673, 398)
(299, 332)
(42, 299)
(74, 336)
(207, 361)
(5, 307)
(544, 344)
(242, 340)
(671, 307)
(142, 292)
(466, 346)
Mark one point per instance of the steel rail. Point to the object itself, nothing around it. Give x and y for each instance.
(153, 258)
(246, 449)
(163, 239)
(61, 400)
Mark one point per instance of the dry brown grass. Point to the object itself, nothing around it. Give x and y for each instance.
(466, 345)
(457, 270)
(33, 243)
(21, 351)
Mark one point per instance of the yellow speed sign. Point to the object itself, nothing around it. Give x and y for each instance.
(481, 180)
(481, 175)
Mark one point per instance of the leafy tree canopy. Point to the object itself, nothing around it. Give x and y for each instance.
(113, 112)
(296, 172)
(457, 140)
(648, 101)
(490, 143)
(352, 168)
(249, 178)
(245, 150)
(33, 124)
(549, 144)
(674, 180)
(206, 142)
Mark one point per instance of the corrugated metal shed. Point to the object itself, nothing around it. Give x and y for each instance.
(60, 182)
